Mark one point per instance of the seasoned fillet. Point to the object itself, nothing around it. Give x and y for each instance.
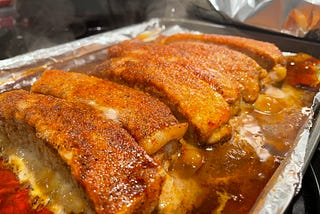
(266, 54)
(221, 81)
(231, 70)
(77, 146)
(147, 119)
(138, 65)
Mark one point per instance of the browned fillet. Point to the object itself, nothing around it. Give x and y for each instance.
(266, 54)
(193, 61)
(147, 119)
(229, 69)
(138, 65)
(117, 175)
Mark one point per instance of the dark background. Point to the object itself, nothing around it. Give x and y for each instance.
(27, 25)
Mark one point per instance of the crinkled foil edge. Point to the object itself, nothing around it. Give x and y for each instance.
(77, 47)
(286, 181)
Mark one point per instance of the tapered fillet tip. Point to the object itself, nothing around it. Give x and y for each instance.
(278, 73)
(160, 138)
(222, 134)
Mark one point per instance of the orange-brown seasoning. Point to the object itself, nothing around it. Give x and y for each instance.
(140, 114)
(266, 54)
(117, 175)
(149, 67)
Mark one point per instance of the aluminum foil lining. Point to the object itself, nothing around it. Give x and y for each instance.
(300, 18)
(286, 181)
(21, 71)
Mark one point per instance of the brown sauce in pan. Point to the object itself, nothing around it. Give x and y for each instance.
(304, 71)
(233, 174)
(229, 176)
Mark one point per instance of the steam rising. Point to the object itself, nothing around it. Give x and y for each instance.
(45, 23)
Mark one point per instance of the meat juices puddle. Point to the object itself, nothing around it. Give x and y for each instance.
(228, 176)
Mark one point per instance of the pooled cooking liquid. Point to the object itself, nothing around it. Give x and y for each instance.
(230, 176)
(226, 177)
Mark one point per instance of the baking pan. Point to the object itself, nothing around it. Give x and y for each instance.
(81, 55)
